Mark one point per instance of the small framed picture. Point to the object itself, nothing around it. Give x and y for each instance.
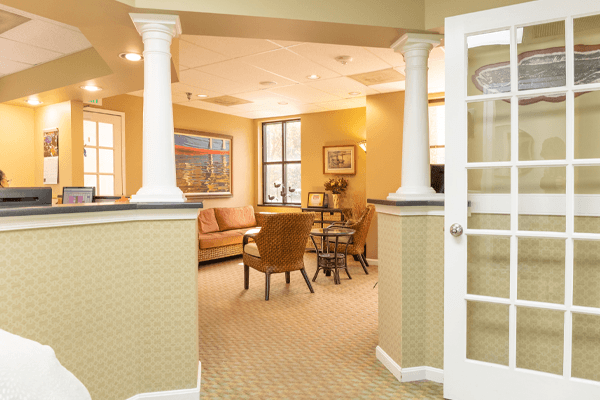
(339, 160)
(316, 199)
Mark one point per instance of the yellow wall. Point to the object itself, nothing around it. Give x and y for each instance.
(16, 144)
(194, 119)
(66, 117)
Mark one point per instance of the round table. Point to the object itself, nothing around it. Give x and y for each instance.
(327, 260)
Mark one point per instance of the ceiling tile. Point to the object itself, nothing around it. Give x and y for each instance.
(26, 53)
(262, 114)
(264, 97)
(343, 104)
(378, 77)
(325, 54)
(182, 88)
(290, 65)
(205, 106)
(238, 71)
(304, 94)
(48, 36)
(213, 83)
(10, 67)
(196, 56)
(285, 43)
(9, 20)
(231, 47)
(389, 87)
(387, 55)
(341, 87)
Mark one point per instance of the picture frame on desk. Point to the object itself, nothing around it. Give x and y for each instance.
(317, 199)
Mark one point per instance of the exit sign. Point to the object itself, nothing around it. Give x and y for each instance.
(97, 102)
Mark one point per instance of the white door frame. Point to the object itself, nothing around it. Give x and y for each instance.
(474, 380)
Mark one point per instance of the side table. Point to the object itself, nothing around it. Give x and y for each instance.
(331, 261)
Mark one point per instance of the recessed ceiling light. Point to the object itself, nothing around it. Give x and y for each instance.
(91, 88)
(343, 59)
(33, 102)
(354, 93)
(268, 83)
(313, 76)
(283, 103)
(131, 56)
(202, 95)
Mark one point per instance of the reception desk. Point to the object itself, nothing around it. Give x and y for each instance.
(112, 288)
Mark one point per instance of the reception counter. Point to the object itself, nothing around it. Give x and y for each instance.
(112, 288)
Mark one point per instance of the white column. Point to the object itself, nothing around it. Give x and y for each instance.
(416, 181)
(159, 183)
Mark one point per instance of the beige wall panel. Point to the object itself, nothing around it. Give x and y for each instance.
(124, 323)
(17, 157)
(434, 286)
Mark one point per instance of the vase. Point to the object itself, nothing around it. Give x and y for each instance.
(336, 200)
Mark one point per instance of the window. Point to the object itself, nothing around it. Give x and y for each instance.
(437, 125)
(281, 163)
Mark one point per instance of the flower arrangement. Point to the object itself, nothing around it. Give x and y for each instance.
(336, 185)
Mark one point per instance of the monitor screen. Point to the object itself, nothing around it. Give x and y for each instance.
(75, 195)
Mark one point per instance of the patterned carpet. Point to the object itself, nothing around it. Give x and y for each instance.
(297, 345)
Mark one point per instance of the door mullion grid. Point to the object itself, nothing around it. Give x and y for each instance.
(514, 199)
(570, 193)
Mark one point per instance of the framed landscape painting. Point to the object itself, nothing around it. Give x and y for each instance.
(203, 164)
(339, 160)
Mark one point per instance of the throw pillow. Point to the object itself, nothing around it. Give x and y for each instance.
(207, 222)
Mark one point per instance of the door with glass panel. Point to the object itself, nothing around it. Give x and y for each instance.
(102, 153)
(522, 283)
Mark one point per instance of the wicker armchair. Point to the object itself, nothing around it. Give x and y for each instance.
(356, 245)
(278, 247)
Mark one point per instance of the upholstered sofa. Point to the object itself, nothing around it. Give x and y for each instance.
(221, 231)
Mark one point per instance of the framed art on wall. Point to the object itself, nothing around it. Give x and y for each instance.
(339, 160)
(203, 164)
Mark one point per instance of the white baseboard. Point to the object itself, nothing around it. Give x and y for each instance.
(409, 374)
(373, 261)
(181, 394)
(389, 363)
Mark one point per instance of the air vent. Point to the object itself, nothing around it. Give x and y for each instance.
(9, 20)
(226, 101)
(377, 77)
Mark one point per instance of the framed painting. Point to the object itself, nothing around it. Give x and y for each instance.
(316, 199)
(339, 160)
(203, 164)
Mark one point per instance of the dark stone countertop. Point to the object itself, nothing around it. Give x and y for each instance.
(408, 203)
(92, 207)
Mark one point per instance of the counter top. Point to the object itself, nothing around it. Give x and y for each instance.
(408, 203)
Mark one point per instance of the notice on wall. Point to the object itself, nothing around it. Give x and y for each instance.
(51, 156)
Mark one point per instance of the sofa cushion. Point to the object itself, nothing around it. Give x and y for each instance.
(217, 239)
(207, 222)
(252, 249)
(235, 217)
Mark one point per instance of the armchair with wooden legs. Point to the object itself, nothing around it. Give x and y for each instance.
(279, 246)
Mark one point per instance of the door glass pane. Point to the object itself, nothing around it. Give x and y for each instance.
(489, 197)
(541, 52)
(586, 33)
(273, 177)
(89, 160)
(488, 124)
(542, 128)
(105, 161)
(587, 123)
(90, 180)
(292, 174)
(586, 273)
(487, 332)
(488, 266)
(292, 141)
(489, 69)
(273, 142)
(587, 192)
(107, 185)
(542, 199)
(541, 270)
(89, 133)
(540, 336)
(586, 347)
(105, 134)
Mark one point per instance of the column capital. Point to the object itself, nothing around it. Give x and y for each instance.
(428, 40)
(171, 23)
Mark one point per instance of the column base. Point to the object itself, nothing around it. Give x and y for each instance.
(415, 193)
(159, 195)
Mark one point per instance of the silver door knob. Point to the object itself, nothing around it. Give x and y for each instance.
(456, 230)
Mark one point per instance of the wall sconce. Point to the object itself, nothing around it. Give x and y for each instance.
(363, 145)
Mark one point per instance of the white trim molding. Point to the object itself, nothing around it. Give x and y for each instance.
(373, 261)
(181, 394)
(409, 374)
(409, 210)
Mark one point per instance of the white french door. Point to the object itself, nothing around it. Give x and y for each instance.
(522, 283)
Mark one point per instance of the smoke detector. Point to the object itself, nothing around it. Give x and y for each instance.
(189, 95)
(343, 59)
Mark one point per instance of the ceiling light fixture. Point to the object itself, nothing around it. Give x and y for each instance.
(283, 103)
(33, 102)
(91, 88)
(313, 76)
(343, 59)
(354, 93)
(202, 95)
(363, 145)
(131, 56)
(268, 83)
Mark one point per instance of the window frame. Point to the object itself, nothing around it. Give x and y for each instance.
(283, 163)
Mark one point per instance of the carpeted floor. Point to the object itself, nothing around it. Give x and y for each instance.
(297, 345)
